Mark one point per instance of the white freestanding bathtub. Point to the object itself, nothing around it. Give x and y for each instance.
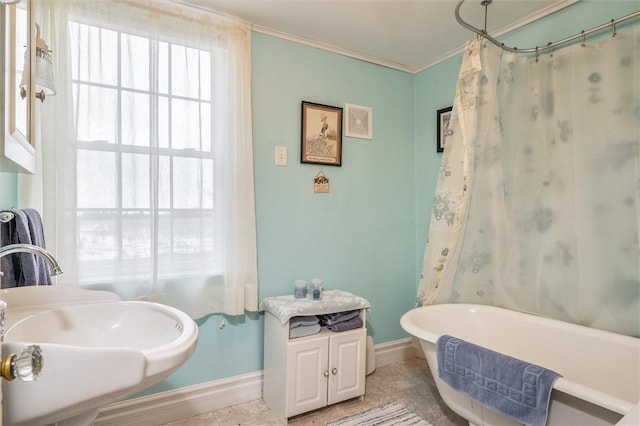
(601, 370)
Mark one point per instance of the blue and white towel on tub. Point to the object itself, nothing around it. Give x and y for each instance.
(512, 387)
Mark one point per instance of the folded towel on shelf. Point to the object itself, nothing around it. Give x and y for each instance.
(304, 330)
(303, 321)
(346, 325)
(501, 383)
(330, 319)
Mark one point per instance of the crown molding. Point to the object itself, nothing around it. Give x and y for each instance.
(400, 67)
(330, 48)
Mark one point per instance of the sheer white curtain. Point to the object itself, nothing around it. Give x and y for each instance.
(537, 206)
(148, 163)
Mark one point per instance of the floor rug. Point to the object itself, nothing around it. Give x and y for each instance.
(389, 414)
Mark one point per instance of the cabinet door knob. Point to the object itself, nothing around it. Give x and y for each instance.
(326, 373)
(334, 371)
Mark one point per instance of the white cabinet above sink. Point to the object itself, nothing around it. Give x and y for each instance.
(17, 129)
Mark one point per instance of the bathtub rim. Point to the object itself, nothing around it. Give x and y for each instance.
(586, 393)
(412, 328)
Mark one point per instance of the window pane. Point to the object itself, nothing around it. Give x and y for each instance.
(207, 232)
(115, 100)
(96, 112)
(205, 70)
(185, 78)
(135, 181)
(136, 235)
(163, 68)
(97, 236)
(187, 235)
(97, 180)
(205, 126)
(164, 184)
(135, 119)
(207, 183)
(186, 183)
(185, 124)
(135, 62)
(164, 233)
(163, 122)
(94, 54)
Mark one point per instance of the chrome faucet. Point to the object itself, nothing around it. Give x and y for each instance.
(54, 268)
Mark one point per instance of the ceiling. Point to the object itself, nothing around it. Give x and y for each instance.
(409, 35)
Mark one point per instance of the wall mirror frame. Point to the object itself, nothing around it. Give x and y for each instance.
(17, 137)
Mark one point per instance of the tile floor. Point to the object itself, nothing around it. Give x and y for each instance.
(409, 383)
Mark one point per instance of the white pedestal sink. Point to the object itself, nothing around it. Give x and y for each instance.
(96, 348)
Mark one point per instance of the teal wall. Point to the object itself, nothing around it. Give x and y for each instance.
(359, 237)
(367, 235)
(8, 190)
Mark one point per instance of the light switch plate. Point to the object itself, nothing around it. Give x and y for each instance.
(281, 155)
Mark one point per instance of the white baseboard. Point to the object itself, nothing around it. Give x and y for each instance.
(188, 401)
(419, 352)
(198, 399)
(394, 351)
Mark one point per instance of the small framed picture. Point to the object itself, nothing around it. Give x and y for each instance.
(444, 118)
(358, 121)
(321, 134)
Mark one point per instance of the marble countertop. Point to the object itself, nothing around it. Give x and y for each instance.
(286, 307)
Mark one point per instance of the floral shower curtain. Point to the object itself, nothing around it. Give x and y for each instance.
(537, 206)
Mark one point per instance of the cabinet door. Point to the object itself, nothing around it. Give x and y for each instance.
(347, 357)
(17, 33)
(307, 375)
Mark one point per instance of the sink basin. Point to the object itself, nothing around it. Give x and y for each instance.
(95, 352)
(24, 301)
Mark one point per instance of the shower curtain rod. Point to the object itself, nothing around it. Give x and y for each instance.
(538, 49)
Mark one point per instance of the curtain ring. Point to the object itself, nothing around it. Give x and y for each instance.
(537, 55)
(552, 49)
(482, 39)
(613, 25)
(583, 39)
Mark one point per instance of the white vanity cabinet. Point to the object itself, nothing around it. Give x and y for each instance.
(308, 373)
(17, 114)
